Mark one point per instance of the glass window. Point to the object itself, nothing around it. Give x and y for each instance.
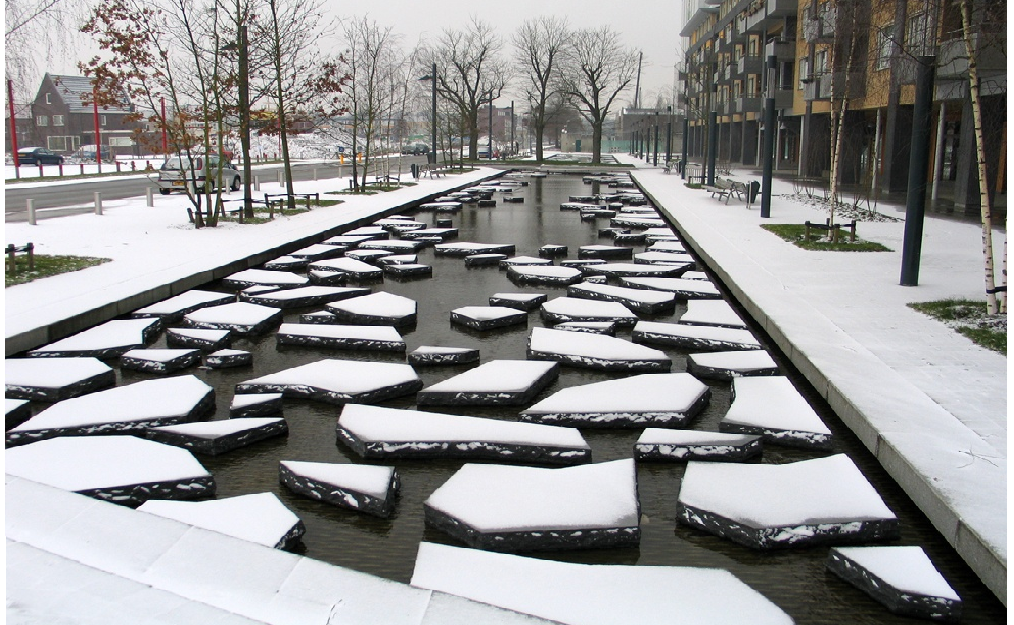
(48, 101)
(102, 120)
(58, 120)
(885, 44)
(42, 120)
(918, 37)
(804, 71)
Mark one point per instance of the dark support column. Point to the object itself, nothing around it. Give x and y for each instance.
(686, 145)
(915, 209)
(897, 149)
(712, 146)
(768, 147)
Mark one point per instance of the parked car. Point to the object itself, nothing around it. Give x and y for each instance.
(416, 148)
(86, 153)
(38, 156)
(199, 170)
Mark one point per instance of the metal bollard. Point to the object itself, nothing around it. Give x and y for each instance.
(257, 183)
(148, 196)
(315, 174)
(31, 211)
(279, 172)
(98, 203)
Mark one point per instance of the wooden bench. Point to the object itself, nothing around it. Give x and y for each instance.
(835, 229)
(721, 188)
(669, 165)
(283, 198)
(433, 170)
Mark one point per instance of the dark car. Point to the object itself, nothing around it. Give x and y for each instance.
(38, 156)
(416, 148)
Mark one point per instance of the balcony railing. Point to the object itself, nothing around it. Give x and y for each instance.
(751, 65)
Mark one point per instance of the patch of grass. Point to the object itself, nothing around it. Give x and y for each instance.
(47, 265)
(793, 233)
(694, 185)
(970, 319)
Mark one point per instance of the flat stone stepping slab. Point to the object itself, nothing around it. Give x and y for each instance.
(354, 269)
(55, 379)
(495, 383)
(629, 238)
(604, 251)
(317, 251)
(634, 220)
(709, 312)
(242, 318)
(696, 275)
(772, 407)
(693, 337)
(407, 270)
(218, 437)
(646, 400)
(731, 364)
(590, 214)
(577, 264)
(125, 470)
(607, 328)
(149, 403)
(681, 288)
(531, 261)
(16, 412)
(546, 275)
(902, 578)
(562, 309)
(441, 207)
(484, 260)
(659, 444)
(522, 301)
(364, 488)
(291, 263)
(767, 506)
(515, 508)
(371, 257)
(253, 277)
(256, 405)
(563, 591)
(175, 307)
(488, 317)
(436, 355)
(327, 278)
(664, 258)
(376, 432)
(372, 232)
(338, 381)
(637, 300)
(582, 206)
(107, 340)
(227, 358)
(347, 241)
(400, 246)
(593, 351)
(398, 259)
(260, 289)
(464, 248)
(307, 296)
(431, 233)
(657, 235)
(161, 361)
(204, 340)
(552, 251)
(369, 338)
(259, 518)
(380, 308)
(632, 270)
(672, 246)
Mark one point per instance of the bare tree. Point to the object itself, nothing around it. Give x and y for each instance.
(539, 47)
(34, 25)
(599, 68)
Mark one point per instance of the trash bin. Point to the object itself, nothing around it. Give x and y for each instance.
(753, 191)
(415, 171)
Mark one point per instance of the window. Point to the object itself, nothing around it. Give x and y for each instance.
(918, 35)
(804, 71)
(102, 120)
(820, 62)
(58, 120)
(58, 144)
(48, 101)
(885, 44)
(41, 120)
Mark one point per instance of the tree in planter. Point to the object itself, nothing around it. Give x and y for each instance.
(598, 69)
(539, 46)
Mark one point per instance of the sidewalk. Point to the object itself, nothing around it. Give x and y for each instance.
(927, 402)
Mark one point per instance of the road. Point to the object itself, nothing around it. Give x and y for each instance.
(64, 197)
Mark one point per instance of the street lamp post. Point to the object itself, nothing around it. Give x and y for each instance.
(769, 138)
(431, 156)
(655, 160)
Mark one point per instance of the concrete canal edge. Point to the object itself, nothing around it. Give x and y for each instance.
(960, 510)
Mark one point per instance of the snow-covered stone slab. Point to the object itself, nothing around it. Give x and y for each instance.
(681, 288)
(380, 308)
(642, 301)
(612, 233)
(561, 309)
(16, 412)
(484, 260)
(583, 198)
(405, 271)
(256, 405)
(696, 275)
(772, 407)
(513, 508)
(591, 214)
(628, 238)
(658, 235)
(240, 317)
(227, 358)
(365, 488)
(307, 296)
(731, 364)
(636, 221)
(366, 337)
(711, 313)
(373, 232)
(253, 277)
(175, 307)
(443, 234)
(498, 382)
(218, 437)
(522, 301)
(204, 340)
(161, 361)
(581, 206)
(107, 340)
(120, 469)
(607, 328)
(465, 248)
(661, 444)
(628, 270)
(398, 259)
(355, 270)
(487, 203)
(488, 317)
(55, 379)
(347, 241)
(259, 518)
(586, 262)
(604, 251)
(317, 251)
(441, 207)
(531, 261)
(437, 355)
(258, 289)
(398, 246)
(767, 506)
(369, 256)
(593, 594)
(376, 432)
(548, 275)
(693, 337)
(399, 226)
(149, 403)
(552, 251)
(664, 258)
(327, 278)
(338, 381)
(902, 578)
(671, 246)
(291, 263)
(595, 351)
(651, 399)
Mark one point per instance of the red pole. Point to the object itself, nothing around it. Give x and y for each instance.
(98, 140)
(165, 136)
(14, 129)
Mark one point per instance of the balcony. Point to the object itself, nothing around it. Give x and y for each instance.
(784, 98)
(820, 29)
(784, 51)
(952, 59)
(763, 14)
(750, 65)
(817, 88)
(749, 104)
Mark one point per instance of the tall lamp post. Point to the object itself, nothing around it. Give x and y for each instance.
(769, 138)
(713, 135)
(431, 156)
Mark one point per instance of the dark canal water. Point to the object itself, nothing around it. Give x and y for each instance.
(793, 579)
